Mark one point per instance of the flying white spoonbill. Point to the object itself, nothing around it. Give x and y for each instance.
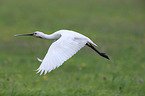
(66, 45)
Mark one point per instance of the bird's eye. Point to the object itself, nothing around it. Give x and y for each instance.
(35, 33)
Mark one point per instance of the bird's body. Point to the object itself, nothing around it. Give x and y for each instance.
(66, 45)
(67, 34)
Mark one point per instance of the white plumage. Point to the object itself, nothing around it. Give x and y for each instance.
(68, 44)
(61, 50)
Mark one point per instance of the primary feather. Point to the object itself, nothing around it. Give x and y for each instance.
(68, 44)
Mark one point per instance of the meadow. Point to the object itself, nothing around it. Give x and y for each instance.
(117, 27)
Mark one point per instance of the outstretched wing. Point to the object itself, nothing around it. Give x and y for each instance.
(60, 51)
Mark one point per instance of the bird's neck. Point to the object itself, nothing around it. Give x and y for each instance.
(51, 36)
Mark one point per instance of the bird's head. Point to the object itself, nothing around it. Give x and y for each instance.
(36, 34)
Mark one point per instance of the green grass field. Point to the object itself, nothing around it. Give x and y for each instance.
(118, 27)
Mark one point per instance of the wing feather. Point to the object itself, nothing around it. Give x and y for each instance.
(60, 51)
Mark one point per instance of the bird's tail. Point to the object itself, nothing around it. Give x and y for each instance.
(39, 59)
(90, 41)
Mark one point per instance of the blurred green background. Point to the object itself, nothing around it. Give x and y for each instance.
(117, 26)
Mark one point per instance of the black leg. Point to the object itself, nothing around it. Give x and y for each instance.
(100, 53)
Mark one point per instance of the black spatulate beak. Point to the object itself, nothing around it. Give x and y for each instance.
(31, 34)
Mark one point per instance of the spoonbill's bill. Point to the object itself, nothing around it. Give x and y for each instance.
(66, 45)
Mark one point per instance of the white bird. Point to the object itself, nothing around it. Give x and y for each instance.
(66, 45)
